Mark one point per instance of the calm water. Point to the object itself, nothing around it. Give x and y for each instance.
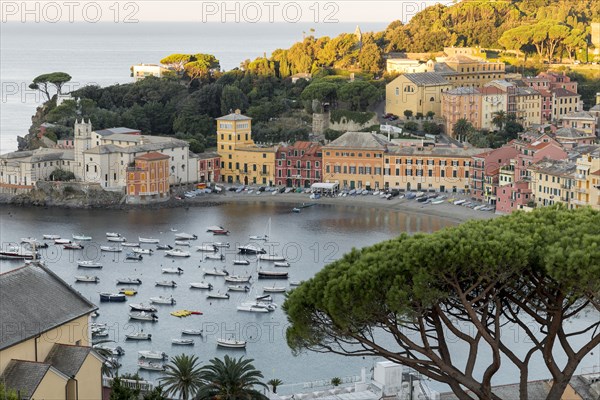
(102, 54)
(311, 239)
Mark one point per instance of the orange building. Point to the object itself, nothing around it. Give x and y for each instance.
(148, 179)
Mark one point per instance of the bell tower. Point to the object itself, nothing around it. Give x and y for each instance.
(82, 133)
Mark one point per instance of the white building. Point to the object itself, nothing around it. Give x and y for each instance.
(141, 71)
(21, 169)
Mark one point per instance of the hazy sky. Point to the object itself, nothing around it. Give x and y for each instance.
(212, 11)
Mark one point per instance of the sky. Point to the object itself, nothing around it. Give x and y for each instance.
(261, 11)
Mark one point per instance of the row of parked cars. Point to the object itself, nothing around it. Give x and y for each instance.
(436, 198)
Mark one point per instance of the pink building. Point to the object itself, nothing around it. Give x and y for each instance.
(512, 197)
(559, 80)
(209, 167)
(299, 165)
(485, 171)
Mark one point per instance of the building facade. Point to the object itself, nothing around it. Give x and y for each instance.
(552, 182)
(21, 169)
(141, 71)
(209, 167)
(148, 178)
(419, 93)
(485, 172)
(299, 165)
(461, 103)
(461, 70)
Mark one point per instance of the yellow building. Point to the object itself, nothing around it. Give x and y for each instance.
(587, 178)
(429, 169)
(355, 160)
(242, 161)
(419, 93)
(45, 348)
(553, 182)
(461, 70)
(528, 103)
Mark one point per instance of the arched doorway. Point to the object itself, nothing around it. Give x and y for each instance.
(245, 180)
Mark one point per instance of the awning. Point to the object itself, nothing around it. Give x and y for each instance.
(324, 186)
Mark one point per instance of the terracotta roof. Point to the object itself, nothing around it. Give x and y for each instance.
(486, 90)
(596, 173)
(153, 156)
(560, 92)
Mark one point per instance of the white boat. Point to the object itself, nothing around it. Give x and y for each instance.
(166, 283)
(50, 237)
(115, 351)
(182, 243)
(163, 247)
(274, 289)
(264, 298)
(72, 246)
(207, 248)
(129, 281)
(220, 244)
(17, 253)
(201, 285)
(81, 237)
(86, 278)
(281, 264)
(214, 228)
(112, 234)
(272, 274)
(251, 308)
(62, 241)
(437, 201)
(251, 249)
(173, 230)
(153, 355)
(192, 332)
(176, 270)
(134, 256)
(237, 288)
(177, 253)
(142, 307)
(130, 244)
(151, 366)
(231, 343)
(270, 257)
(163, 300)
(148, 240)
(214, 257)
(143, 316)
(139, 336)
(263, 305)
(241, 262)
(89, 264)
(266, 235)
(218, 295)
(237, 279)
(215, 272)
(296, 283)
(139, 250)
(185, 236)
(183, 342)
(116, 239)
(31, 241)
(459, 202)
(111, 249)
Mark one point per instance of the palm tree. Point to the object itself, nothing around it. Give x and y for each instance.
(182, 376)
(461, 128)
(499, 119)
(274, 383)
(230, 379)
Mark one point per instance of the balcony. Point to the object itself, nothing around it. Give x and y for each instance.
(580, 190)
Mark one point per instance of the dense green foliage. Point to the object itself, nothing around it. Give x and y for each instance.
(8, 394)
(62, 175)
(414, 299)
(230, 379)
(351, 116)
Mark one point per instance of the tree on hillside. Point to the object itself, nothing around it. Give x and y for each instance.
(321, 91)
(233, 98)
(176, 61)
(461, 128)
(370, 58)
(201, 65)
(577, 39)
(230, 379)
(359, 95)
(56, 79)
(444, 303)
(546, 36)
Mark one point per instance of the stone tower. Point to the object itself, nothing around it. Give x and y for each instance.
(82, 133)
(358, 34)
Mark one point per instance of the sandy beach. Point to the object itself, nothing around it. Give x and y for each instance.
(445, 210)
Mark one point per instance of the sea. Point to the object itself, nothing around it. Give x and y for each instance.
(102, 53)
(309, 240)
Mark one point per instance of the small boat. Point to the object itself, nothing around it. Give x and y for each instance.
(177, 271)
(296, 283)
(241, 262)
(218, 295)
(153, 355)
(62, 241)
(237, 288)
(72, 246)
(115, 351)
(143, 316)
(258, 305)
(31, 241)
(142, 307)
(148, 240)
(251, 249)
(50, 237)
(281, 264)
(459, 202)
(99, 333)
(129, 281)
(192, 332)
(87, 278)
(237, 279)
(111, 249)
(185, 236)
(215, 272)
(139, 336)
(264, 298)
(112, 363)
(201, 285)
(270, 257)
(173, 230)
(214, 257)
(95, 314)
(128, 291)
(258, 237)
(177, 253)
(116, 239)
(221, 232)
(231, 343)
(16, 253)
(207, 248)
(134, 256)
(182, 243)
(274, 289)
(272, 275)
(164, 247)
(130, 244)
(252, 308)
(437, 202)
(163, 300)
(112, 234)
(220, 244)
(166, 283)
(139, 250)
(151, 366)
(296, 210)
(183, 342)
(81, 237)
(181, 313)
(113, 297)
(89, 264)
(214, 228)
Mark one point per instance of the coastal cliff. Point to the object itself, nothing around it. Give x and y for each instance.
(67, 195)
